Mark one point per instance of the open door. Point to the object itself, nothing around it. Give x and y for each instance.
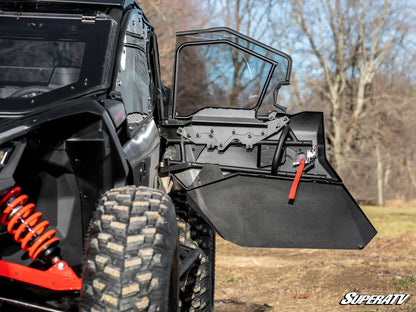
(257, 174)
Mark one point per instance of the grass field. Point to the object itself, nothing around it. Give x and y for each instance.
(393, 220)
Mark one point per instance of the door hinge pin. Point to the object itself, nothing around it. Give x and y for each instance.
(88, 19)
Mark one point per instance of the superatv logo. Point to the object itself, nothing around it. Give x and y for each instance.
(353, 298)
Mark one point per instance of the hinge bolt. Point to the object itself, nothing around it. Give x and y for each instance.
(61, 266)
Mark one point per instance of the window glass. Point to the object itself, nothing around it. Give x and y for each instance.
(218, 67)
(218, 75)
(39, 55)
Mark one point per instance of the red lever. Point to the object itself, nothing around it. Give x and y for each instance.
(295, 183)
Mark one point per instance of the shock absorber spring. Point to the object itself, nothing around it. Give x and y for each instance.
(23, 223)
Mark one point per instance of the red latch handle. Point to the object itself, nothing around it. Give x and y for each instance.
(295, 183)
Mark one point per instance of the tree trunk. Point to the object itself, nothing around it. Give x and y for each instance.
(338, 160)
(411, 173)
(380, 177)
(387, 173)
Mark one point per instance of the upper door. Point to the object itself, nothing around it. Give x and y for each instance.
(224, 69)
(258, 175)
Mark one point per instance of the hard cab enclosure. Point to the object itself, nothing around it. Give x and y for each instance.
(259, 175)
(84, 115)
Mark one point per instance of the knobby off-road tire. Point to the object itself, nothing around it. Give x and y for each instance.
(194, 232)
(131, 256)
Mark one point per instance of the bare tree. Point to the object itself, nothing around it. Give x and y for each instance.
(246, 16)
(345, 45)
(349, 40)
(168, 17)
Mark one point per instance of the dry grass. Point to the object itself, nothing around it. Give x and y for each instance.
(393, 220)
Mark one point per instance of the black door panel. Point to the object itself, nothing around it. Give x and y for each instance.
(237, 155)
(254, 211)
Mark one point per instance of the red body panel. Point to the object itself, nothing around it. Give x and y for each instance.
(53, 278)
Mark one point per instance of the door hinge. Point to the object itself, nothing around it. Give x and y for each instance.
(89, 19)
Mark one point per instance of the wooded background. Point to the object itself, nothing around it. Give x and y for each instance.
(353, 59)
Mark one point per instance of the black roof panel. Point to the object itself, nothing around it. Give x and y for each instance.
(122, 3)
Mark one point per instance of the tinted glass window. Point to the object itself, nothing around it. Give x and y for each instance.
(39, 55)
(42, 63)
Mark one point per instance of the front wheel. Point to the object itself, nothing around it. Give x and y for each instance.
(131, 261)
(197, 295)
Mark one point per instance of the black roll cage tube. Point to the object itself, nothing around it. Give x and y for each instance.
(278, 153)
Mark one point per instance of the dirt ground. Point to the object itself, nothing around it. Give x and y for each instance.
(257, 280)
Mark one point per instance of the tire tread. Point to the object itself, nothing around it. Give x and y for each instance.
(129, 254)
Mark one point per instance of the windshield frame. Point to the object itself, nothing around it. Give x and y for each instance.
(96, 65)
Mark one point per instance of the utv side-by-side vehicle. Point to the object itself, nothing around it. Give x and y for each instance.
(91, 143)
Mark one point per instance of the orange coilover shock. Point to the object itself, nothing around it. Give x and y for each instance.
(22, 222)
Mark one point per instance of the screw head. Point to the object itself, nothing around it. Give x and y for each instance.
(61, 266)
